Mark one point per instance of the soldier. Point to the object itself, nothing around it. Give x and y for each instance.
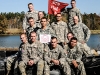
(55, 58)
(69, 35)
(74, 57)
(74, 11)
(30, 13)
(32, 56)
(40, 16)
(86, 51)
(12, 59)
(45, 29)
(81, 32)
(60, 29)
(32, 27)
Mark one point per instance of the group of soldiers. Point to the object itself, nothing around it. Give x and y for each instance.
(63, 52)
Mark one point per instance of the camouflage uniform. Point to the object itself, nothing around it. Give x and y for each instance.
(13, 59)
(58, 54)
(38, 24)
(30, 29)
(82, 33)
(60, 30)
(86, 49)
(76, 54)
(33, 52)
(48, 30)
(71, 13)
(27, 15)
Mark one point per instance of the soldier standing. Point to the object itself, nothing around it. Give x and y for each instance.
(80, 30)
(32, 27)
(12, 59)
(60, 29)
(55, 58)
(30, 13)
(32, 56)
(40, 16)
(45, 29)
(74, 11)
(74, 57)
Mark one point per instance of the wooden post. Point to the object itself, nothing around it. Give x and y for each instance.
(48, 18)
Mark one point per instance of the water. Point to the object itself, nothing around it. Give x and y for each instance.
(94, 41)
(14, 41)
(10, 41)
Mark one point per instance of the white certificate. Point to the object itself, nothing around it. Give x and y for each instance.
(45, 38)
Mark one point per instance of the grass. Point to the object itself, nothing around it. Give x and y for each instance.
(15, 31)
(95, 31)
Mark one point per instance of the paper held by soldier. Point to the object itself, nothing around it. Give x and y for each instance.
(45, 38)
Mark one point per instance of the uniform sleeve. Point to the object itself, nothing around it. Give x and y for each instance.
(63, 55)
(79, 54)
(87, 32)
(48, 24)
(79, 15)
(39, 53)
(47, 55)
(51, 25)
(52, 32)
(68, 59)
(65, 33)
(24, 55)
(38, 33)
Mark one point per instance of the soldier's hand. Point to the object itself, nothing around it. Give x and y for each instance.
(83, 42)
(28, 63)
(54, 61)
(31, 62)
(24, 31)
(57, 62)
(75, 63)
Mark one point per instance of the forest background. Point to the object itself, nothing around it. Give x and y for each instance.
(11, 23)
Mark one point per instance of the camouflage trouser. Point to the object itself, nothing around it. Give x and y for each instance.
(40, 66)
(81, 68)
(65, 68)
(69, 26)
(10, 60)
(87, 49)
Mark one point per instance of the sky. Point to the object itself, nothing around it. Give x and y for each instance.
(87, 6)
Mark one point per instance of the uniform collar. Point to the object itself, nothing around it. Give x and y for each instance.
(58, 22)
(33, 26)
(45, 28)
(55, 49)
